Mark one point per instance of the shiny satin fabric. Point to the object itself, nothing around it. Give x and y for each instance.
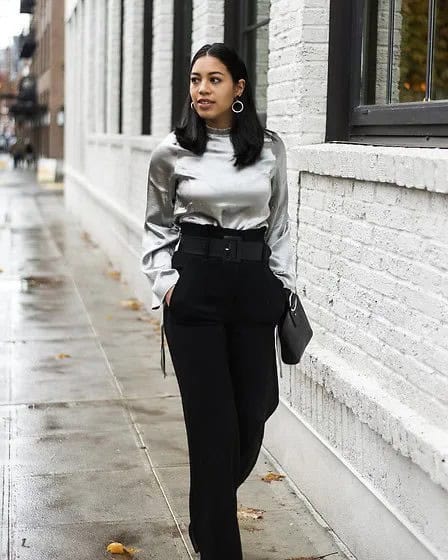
(209, 189)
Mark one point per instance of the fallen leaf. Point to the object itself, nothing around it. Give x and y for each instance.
(148, 319)
(250, 513)
(251, 529)
(118, 548)
(62, 356)
(115, 274)
(272, 476)
(132, 303)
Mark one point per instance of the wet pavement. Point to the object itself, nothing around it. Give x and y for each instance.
(92, 440)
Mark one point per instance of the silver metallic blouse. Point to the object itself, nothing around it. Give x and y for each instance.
(209, 189)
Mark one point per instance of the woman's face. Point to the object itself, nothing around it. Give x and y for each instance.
(211, 81)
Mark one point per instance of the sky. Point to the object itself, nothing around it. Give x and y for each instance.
(11, 21)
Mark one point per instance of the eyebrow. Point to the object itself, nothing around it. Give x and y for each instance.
(210, 73)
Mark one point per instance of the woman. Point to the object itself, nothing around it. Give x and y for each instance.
(218, 254)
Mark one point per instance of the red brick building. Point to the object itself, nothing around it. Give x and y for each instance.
(45, 47)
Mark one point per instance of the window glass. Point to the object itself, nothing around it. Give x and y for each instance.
(247, 30)
(440, 69)
(394, 62)
(410, 50)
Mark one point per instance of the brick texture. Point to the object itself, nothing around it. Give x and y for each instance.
(208, 23)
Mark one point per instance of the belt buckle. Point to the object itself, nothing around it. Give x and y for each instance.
(232, 248)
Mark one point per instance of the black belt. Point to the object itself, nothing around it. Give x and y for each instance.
(229, 248)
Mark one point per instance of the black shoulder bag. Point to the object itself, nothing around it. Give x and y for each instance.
(294, 330)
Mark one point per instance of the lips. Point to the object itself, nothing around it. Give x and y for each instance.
(205, 102)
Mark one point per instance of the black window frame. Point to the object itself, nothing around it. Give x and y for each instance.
(147, 66)
(238, 33)
(422, 124)
(182, 32)
(121, 69)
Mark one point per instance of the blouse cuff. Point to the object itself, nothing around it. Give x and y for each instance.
(166, 280)
(287, 280)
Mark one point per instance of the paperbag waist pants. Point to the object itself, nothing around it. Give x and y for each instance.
(220, 331)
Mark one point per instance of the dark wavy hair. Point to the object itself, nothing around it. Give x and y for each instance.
(246, 133)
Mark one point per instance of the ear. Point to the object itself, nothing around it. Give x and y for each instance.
(239, 88)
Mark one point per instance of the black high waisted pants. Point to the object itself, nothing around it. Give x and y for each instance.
(220, 332)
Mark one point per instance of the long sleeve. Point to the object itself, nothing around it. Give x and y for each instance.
(278, 233)
(160, 232)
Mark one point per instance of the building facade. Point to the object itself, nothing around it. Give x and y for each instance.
(41, 115)
(8, 73)
(358, 91)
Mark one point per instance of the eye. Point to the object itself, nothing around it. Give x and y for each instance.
(213, 80)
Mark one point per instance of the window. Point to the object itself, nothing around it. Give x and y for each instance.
(247, 31)
(147, 65)
(388, 77)
(181, 56)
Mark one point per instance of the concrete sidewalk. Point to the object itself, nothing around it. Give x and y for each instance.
(92, 442)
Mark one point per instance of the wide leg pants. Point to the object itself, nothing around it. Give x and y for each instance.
(220, 332)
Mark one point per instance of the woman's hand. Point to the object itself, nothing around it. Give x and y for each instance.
(168, 296)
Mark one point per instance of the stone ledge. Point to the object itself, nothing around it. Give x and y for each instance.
(421, 168)
(404, 429)
(145, 143)
(372, 523)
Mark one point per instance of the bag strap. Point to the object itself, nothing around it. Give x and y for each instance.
(162, 349)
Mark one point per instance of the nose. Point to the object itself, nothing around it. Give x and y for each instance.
(203, 87)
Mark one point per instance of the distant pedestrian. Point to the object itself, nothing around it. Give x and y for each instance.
(29, 155)
(217, 250)
(17, 150)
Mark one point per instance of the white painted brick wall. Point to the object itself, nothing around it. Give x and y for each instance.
(361, 258)
(162, 67)
(133, 67)
(91, 85)
(208, 23)
(113, 66)
(83, 93)
(296, 95)
(100, 60)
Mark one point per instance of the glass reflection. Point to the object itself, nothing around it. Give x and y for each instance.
(440, 68)
(394, 65)
(257, 50)
(409, 61)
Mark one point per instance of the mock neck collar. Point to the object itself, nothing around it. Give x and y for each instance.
(218, 131)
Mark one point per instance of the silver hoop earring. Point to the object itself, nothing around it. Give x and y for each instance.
(192, 105)
(241, 106)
